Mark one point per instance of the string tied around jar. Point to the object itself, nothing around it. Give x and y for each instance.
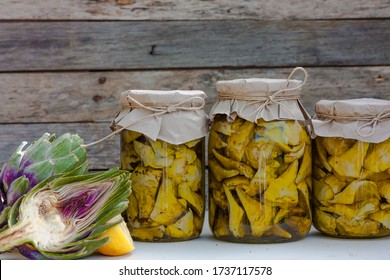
(267, 97)
(189, 104)
(371, 120)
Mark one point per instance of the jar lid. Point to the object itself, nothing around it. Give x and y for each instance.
(174, 116)
(364, 119)
(255, 87)
(161, 98)
(261, 98)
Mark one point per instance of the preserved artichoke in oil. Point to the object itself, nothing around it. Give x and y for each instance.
(351, 187)
(259, 180)
(167, 202)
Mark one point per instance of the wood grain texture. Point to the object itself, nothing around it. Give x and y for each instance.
(37, 46)
(101, 156)
(94, 96)
(191, 10)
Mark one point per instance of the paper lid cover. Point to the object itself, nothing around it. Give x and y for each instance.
(364, 119)
(174, 116)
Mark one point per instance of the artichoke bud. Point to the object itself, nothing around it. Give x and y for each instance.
(63, 217)
(43, 158)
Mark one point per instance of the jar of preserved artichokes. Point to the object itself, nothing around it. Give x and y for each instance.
(162, 144)
(351, 170)
(259, 157)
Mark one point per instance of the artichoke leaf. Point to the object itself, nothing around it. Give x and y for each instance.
(219, 172)
(145, 185)
(226, 127)
(361, 228)
(236, 215)
(228, 163)
(260, 215)
(278, 231)
(195, 200)
(325, 222)
(148, 234)
(322, 192)
(336, 146)
(290, 157)
(358, 190)
(300, 225)
(256, 153)
(305, 167)
(322, 156)
(237, 142)
(167, 208)
(378, 159)
(215, 142)
(382, 217)
(129, 135)
(384, 189)
(221, 224)
(182, 228)
(350, 163)
(282, 191)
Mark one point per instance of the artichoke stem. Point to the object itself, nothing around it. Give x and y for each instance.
(14, 236)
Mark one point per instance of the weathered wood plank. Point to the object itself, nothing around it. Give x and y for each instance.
(26, 46)
(101, 156)
(192, 10)
(94, 96)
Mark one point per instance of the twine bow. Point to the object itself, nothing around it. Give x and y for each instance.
(158, 111)
(384, 115)
(269, 99)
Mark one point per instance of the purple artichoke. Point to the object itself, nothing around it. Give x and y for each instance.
(63, 217)
(43, 158)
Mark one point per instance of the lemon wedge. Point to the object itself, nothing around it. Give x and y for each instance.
(120, 242)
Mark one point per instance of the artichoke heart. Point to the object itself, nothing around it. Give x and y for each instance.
(260, 215)
(358, 190)
(382, 217)
(145, 184)
(282, 191)
(226, 127)
(325, 222)
(132, 209)
(357, 211)
(305, 168)
(221, 224)
(215, 142)
(378, 160)
(167, 207)
(322, 156)
(228, 163)
(364, 228)
(194, 199)
(236, 215)
(219, 172)
(257, 153)
(384, 189)
(183, 228)
(263, 177)
(129, 135)
(295, 155)
(350, 163)
(287, 132)
(322, 192)
(237, 142)
(148, 234)
(154, 156)
(336, 146)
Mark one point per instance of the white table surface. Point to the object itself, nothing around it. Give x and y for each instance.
(314, 246)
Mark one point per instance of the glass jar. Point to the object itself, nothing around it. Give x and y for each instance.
(351, 171)
(259, 157)
(167, 202)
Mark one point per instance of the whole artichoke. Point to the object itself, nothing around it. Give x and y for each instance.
(63, 217)
(43, 158)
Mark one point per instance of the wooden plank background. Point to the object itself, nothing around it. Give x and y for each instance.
(64, 63)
